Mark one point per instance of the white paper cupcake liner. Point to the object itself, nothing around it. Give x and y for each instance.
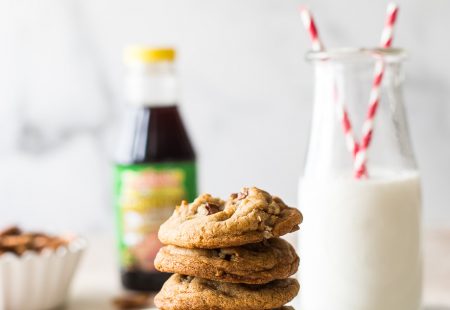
(38, 281)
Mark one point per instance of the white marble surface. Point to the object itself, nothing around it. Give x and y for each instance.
(246, 95)
(97, 280)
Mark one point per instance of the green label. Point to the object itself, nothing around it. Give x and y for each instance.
(145, 197)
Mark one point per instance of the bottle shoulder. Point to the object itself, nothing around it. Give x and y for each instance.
(154, 135)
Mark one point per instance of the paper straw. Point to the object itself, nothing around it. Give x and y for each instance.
(342, 113)
(310, 26)
(386, 42)
(388, 31)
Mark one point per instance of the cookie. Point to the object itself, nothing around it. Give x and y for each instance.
(256, 263)
(187, 293)
(251, 216)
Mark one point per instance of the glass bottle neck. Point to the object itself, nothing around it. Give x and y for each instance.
(390, 149)
(151, 85)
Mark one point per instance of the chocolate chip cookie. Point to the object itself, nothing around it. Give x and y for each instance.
(187, 293)
(251, 216)
(256, 263)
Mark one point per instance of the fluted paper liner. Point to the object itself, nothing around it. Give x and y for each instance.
(38, 281)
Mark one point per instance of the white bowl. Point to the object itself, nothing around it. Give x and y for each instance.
(38, 281)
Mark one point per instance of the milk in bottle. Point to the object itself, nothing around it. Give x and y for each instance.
(360, 240)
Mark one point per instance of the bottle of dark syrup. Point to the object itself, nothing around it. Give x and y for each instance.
(155, 166)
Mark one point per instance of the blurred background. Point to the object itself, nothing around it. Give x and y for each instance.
(246, 95)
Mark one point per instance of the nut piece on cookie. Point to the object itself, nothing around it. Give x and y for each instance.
(255, 263)
(186, 292)
(250, 216)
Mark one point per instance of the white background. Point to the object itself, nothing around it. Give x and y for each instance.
(246, 95)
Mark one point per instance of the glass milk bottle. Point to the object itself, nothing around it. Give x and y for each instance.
(360, 240)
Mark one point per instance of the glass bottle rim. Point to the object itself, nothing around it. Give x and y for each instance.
(351, 54)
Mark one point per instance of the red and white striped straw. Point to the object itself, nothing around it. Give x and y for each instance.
(388, 31)
(342, 113)
(310, 25)
(344, 118)
(374, 100)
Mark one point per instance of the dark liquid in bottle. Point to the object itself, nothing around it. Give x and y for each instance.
(157, 136)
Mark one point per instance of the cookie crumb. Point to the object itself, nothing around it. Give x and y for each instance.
(132, 301)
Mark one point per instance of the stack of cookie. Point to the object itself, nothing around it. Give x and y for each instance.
(228, 255)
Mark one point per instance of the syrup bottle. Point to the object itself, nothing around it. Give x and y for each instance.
(155, 167)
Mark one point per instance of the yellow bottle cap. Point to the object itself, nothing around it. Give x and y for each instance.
(144, 54)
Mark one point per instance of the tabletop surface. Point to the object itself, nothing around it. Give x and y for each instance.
(97, 282)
